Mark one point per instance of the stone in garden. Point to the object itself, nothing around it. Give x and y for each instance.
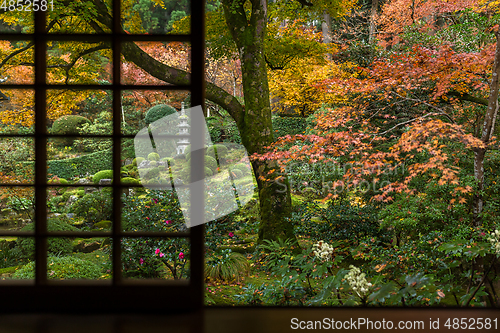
(78, 247)
(105, 182)
(90, 189)
(70, 215)
(91, 247)
(143, 164)
(83, 181)
(71, 200)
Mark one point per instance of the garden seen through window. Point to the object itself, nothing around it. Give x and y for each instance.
(232, 152)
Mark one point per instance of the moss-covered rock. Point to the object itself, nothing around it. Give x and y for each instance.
(103, 225)
(104, 174)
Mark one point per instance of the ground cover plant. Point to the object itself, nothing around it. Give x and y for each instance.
(373, 150)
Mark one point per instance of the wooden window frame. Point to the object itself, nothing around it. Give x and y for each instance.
(116, 295)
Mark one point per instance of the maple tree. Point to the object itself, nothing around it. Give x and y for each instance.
(247, 25)
(415, 108)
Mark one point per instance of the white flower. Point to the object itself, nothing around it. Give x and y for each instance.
(323, 251)
(357, 281)
(495, 241)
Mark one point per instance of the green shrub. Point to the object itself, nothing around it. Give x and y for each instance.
(226, 266)
(236, 173)
(211, 163)
(152, 173)
(78, 166)
(343, 221)
(223, 131)
(104, 174)
(162, 167)
(95, 206)
(157, 112)
(137, 161)
(63, 268)
(56, 245)
(66, 195)
(218, 151)
(153, 157)
(130, 181)
(69, 125)
(57, 180)
(288, 125)
(153, 164)
(171, 161)
(208, 172)
(243, 167)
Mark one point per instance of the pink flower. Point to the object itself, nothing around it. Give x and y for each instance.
(157, 251)
(482, 234)
(168, 221)
(147, 218)
(181, 255)
(141, 261)
(162, 255)
(231, 234)
(155, 201)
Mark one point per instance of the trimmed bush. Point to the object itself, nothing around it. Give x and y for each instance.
(218, 151)
(104, 174)
(208, 172)
(78, 166)
(157, 112)
(63, 268)
(152, 164)
(211, 163)
(243, 168)
(171, 161)
(152, 173)
(130, 181)
(69, 125)
(56, 245)
(136, 161)
(153, 157)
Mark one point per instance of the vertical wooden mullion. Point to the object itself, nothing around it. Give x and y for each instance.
(116, 231)
(197, 157)
(40, 150)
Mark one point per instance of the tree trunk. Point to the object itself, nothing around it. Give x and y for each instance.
(373, 26)
(326, 27)
(487, 133)
(253, 120)
(255, 124)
